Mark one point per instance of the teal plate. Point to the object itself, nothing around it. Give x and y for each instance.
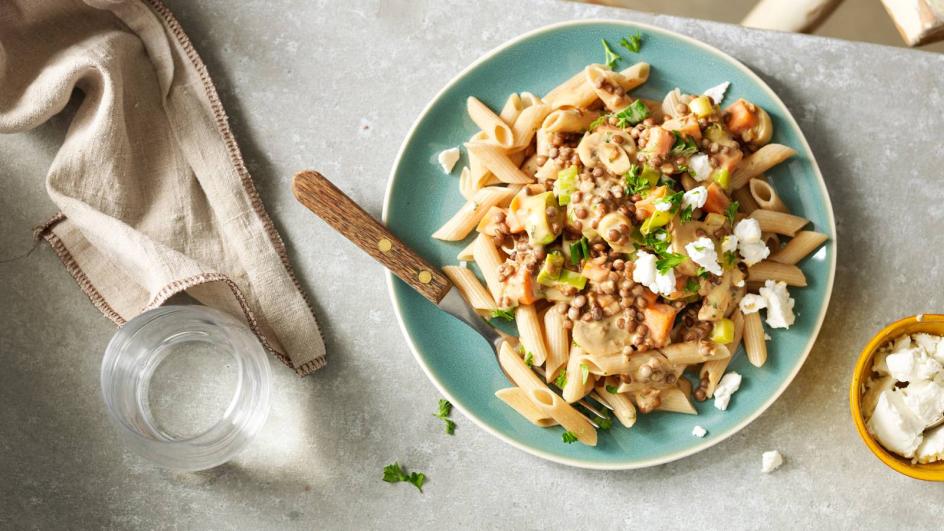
(420, 199)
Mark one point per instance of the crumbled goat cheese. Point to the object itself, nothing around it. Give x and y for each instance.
(779, 304)
(702, 252)
(752, 248)
(729, 244)
(700, 166)
(751, 303)
(448, 159)
(716, 93)
(729, 383)
(698, 431)
(646, 273)
(771, 461)
(695, 198)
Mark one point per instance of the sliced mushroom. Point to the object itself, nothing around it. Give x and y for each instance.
(764, 130)
(608, 86)
(672, 100)
(614, 158)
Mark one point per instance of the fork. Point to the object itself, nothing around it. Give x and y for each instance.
(319, 195)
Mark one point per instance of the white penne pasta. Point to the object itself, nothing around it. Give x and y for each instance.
(528, 123)
(488, 259)
(623, 407)
(517, 158)
(765, 196)
(548, 171)
(512, 108)
(691, 352)
(608, 86)
(579, 380)
(530, 166)
(779, 222)
(634, 76)
(771, 240)
(758, 162)
(461, 224)
(688, 182)
(558, 342)
(542, 143)
(530, 333)
(801, 246)
(528, 99)
(499, 133)
(712, 371)
(466, 185)
(471, 289)
(755, 345)
(767, 270)
(575, 92)
(569, 120)
(610, 365)
(745, 200)
(498, 163)
(489, 222)
(465, 255)
(518, 400)
(675, 400)
(549, 403)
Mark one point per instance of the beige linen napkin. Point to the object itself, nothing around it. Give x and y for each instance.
(153, 193)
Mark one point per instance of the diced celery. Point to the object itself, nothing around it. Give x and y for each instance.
(723, 332)
(714, 219)
(551, 270)
(565, 185)
(659, 218)
(722, 177)
(701, 106)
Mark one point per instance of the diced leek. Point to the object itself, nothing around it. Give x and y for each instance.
(714, 220)
(551, 270)
(659, 218)
(565, 185)
(650, 175)
(701, 106)
(571, 278)
(723, 332)
(722, 177)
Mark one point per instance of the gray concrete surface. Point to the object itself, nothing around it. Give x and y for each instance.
(295, 77)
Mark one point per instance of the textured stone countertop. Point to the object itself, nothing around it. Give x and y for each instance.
(335, 86)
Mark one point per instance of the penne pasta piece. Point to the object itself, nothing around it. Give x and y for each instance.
(461, 224)
(758, 162)
(548, 171)
(801, 246)
(528, 99)
(622, 406)
(498, 163)
(685, 386)
(467, 187)
(558, 342)
(575, 92)
(528, 123)
(745, 200)
(634, 76)
(767, 270)
(754, 342)
(765, 196)
(604, 83)
(518, 400)
(512, 108)
(549, 403)
(609, 365)
(688, 182)
(488, 259)
(675, 400)
(579, 379)
(712, 371)
(471, 289)
(569, 121)
(771, 240)
(499, 133)
(530, 333)
(465, 255)
(779, 222)
(692, 352)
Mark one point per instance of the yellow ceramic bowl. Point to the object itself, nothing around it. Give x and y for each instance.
(929, 323)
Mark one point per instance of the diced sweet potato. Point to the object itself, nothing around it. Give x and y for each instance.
(660, 141)
(717, 201)
(659, 318)
(739, 117)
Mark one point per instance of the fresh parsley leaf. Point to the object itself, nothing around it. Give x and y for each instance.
(731, 211)
(600, 120)
(584, 373)
(394, 474)
(685, 146)
(692, 286)
(610, 57)
(612, 389)
(633, 43)
(675, 199)
(569, 437)
(730, 258)
(658, 241)
(604, 423)
(634, 182)
(508, 315)
(634, 113)
(529, 359)
(445, 409)
(561, 379)
(579, 250)
(686, 214)
(585, 247)
(669, 260)
(702, 272)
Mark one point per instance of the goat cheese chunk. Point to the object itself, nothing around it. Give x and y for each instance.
(698, 431)
(695, 198)
(912, 365)
(770, 461)
(752, 303)
(894, 425)
(646, 273)
(729, 383)
(931, 448)
(448, 159)
(729, 244)
(716, 93)
(749, 242)
(926, 400)
(700, 166)
(779, 304)
(702, 252)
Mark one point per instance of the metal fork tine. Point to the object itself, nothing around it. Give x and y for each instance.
(583, 402)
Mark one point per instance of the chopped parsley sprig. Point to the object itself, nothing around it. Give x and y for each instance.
(634, 113)
(667, 261)
(731, 211)
(684, 146)
(395, 474)
(633, 43)
(445, 409)
(569, 437)
(610, 57)
(508, 315)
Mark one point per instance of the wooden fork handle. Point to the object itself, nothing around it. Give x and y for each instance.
(337, 209)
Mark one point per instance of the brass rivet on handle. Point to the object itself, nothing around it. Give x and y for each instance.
(385, 245)
(425, 277)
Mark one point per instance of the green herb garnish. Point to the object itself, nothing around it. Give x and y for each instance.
(561, 379)
(610, 57)
(634, 113)
(731, 211)
(730, 258)
(612, 389)
(529, 359)
(394, 474)
(579, 250)
(669, 260)
(702, 272)
(686, 214)
(584, 373)
(692, 286)
(508, 315)
(600, 120)
(445, 409)
(685, 146)
(633, 43)
(569, 437)
(604, 423)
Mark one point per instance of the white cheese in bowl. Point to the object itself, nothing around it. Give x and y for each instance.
(904, 399)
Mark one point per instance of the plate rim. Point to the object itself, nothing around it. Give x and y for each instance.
(709, 442)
